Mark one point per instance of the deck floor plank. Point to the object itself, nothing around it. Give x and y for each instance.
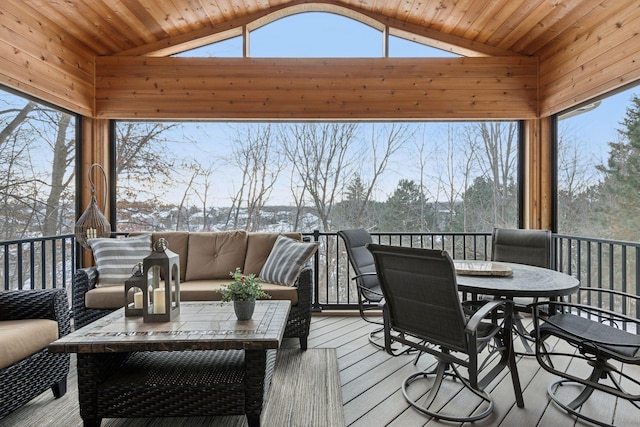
(371, 385)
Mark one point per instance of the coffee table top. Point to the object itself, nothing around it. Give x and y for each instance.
(199, 326)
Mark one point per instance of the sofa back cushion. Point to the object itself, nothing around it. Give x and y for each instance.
(286, 260)
(259, 247)
(214, 255)
(116, 258)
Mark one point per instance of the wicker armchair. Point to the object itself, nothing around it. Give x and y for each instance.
(297, 325)
(33, 375)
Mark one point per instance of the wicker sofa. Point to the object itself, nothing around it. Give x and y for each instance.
(29, 321)
(206, 259)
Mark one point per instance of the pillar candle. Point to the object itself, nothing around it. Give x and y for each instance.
(137, 299)
(158, 301)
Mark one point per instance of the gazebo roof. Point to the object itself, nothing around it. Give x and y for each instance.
(497, 27)
(522, 59)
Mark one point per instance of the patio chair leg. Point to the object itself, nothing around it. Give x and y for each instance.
(522, 333)
(441, 371)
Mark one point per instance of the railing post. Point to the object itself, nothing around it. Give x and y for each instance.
(316, 274)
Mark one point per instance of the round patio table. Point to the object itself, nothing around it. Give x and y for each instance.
(524, 280)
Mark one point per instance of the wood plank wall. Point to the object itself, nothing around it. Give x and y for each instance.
(335, 88)
(586, 64)
(39, 59)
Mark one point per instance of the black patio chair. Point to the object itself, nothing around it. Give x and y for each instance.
(603, 345)
(530, 247)
(424, 310)
(369, 292)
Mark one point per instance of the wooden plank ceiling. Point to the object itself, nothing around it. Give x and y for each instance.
(507, 27)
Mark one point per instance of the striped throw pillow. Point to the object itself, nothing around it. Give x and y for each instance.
(115, 258)
(286, 260)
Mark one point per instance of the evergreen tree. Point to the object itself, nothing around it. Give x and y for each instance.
(619, 203)
(404, 209)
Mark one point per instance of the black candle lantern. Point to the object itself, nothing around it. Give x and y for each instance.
(136, 284)
(161, 292)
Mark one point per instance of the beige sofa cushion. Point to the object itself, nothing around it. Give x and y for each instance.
(259, 247)
(207, 290)
(194, 290)
(22, 338)
(215, 255)
(106, 297)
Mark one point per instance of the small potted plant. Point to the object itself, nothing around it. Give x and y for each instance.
(243, 291)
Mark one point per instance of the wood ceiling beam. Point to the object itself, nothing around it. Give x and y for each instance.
(232, 28)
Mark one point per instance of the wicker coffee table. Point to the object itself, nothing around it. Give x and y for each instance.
(202, 363)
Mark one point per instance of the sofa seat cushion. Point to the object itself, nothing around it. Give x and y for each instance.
(207, 290)
(107, 297)
(112, 297)
(22, 338)
(215, 255)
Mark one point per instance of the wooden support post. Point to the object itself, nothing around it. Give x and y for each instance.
(95, 149)
(538, 174)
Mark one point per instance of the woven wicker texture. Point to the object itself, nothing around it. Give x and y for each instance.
(305, 391)
(170, 384)
(22, 381)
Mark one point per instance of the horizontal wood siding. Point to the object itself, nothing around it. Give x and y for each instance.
(40, 61)
(336, 88)
(589, 62)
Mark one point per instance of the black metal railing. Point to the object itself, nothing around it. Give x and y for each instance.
(49, 262)
(334, 289)
(603, 264)
(38, 263)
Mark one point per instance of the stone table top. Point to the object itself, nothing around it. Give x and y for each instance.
(525, 281)
(199, 326)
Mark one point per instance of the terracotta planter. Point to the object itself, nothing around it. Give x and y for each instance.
(244, 309)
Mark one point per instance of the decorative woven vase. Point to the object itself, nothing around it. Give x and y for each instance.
(244, 309)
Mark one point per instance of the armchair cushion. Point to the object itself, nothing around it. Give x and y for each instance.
(115, 258)
(22, 338)
(286, 260)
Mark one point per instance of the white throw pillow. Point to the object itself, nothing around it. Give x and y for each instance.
(286, 260)
(116, 258)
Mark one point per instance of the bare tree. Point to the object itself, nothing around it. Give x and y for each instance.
(143, 169)
(319, 153)
(62, 174)
(29, 192)
(577, 176)
(385, 141)
(256, 156)
(495, 144)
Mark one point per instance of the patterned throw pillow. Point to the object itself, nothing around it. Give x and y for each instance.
(286, 260)
(115, 258)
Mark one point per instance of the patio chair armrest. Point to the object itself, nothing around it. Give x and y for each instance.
(304, 286)
(84, 280)
(368, 290)
(484, 310)
(49, 304)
